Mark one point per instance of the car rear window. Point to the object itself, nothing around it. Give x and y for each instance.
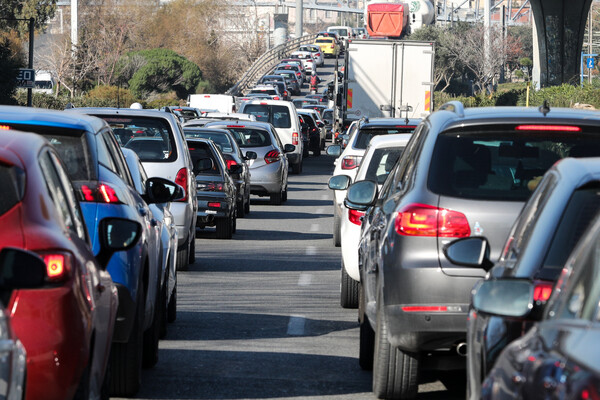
(382, 162)
(200, 150)
(12, 181)
(324, 41)
(364, 136)
(151, 138)
(500, 165)
(279, 116)
(220, 138)
(251, 137)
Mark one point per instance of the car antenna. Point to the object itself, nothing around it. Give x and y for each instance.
(545, 108)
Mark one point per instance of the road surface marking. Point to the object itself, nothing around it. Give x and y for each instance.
(304, 280)
(311, 251)
(296, 325)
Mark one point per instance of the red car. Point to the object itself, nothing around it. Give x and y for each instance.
(66, 325)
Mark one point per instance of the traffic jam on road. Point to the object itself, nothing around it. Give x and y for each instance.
(468, 236)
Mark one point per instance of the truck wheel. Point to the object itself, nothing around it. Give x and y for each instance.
(337, 239)
(224, 228)
(395, 373)
(126, 358)
(348, 290)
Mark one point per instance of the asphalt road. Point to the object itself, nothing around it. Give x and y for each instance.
(259, 316)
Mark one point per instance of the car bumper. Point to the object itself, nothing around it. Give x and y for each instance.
(350, 236)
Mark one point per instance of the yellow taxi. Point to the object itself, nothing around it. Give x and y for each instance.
(328, 46)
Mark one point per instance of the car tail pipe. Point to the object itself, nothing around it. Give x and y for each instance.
(461, 349)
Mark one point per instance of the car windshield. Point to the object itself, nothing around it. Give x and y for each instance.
(220, 138)
(279, 116)
(324, 40)
(151, 138)
(500, 165)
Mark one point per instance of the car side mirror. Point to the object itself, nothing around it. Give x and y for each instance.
(250, 155)
(161, 190)
(235, 169)
(469, 252)
(320, 124)
(204, 164)
(361, 195)
(339, 182)
(21, 269)
(503, 297)
(116, 234)
(289, 148)
(334, 150)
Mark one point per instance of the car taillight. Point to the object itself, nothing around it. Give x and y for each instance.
(545, 128)
(182, 180)
(426, 220)
(272, 156)
(58, 265)
(351, 162)
(295, 138)
(214, 204)
(425, 308)
(542, 291)
(333, 46)
(276, 98)
(230, 163)
(355, 216)
(210, 186)
(97, 192)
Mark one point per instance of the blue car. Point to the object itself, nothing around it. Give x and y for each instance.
(101, 177)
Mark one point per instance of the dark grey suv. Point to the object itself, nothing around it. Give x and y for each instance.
(465, 172)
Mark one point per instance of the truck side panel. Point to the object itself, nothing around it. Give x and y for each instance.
(414, 82)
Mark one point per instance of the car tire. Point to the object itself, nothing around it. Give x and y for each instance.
(83, 389)
(297, 168)
(172, 307)
(395, 373)
(323, 144)
(247, 205)
(276, 198)
(455, 381)
(152, 334)
(183, 256)
(234, 222)
(165, 308)
(366, 343)
(126, 358)
(337, 239)
(192, 251)
(305, 150)
(317, 150)
(224, 228)
(284, 195)
(348, 290)
(241, 209)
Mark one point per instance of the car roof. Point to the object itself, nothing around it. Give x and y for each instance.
(53, 118)
(249, 124)
(375, 122)
(380, 141)
(124, 111)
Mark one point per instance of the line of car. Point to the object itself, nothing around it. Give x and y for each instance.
(421, 270)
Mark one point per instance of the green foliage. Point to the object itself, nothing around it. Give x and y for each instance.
(40, 10)
(156, 71)
(563, 96)
(110, 96)
(41, 100)
(11, 59)
(166, 99)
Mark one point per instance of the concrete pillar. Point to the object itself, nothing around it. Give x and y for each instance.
(280, 30)
(299, 18)
(560, 28)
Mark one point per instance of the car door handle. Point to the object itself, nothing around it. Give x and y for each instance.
(142, 210)
(100, 287)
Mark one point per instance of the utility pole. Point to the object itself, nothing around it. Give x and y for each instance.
(299, 15)
(74, 35)
(590, 37)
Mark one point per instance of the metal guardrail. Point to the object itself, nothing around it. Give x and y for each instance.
(266, 62)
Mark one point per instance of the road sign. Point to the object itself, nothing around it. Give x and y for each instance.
(590, 62)
(26, 78)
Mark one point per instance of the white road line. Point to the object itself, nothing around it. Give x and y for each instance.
(305, 279)
(311, 251)
(315, 227)
(296, 325)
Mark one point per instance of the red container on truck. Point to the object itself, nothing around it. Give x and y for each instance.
(387, 19)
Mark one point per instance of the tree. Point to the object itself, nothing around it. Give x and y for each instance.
(41, 10)
(11, 59)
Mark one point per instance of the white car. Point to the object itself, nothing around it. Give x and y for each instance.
(379, 159)
(307, 58)
(360, 133)
(316, 52)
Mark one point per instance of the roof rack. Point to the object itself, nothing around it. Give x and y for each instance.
(454, 106)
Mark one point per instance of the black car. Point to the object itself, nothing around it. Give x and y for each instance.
(558, 357)
(216, 190)
(305, 135)
(546, 231)
(314, 132)
(233, 156)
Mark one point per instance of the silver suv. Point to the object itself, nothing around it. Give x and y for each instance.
(465, 172)
(158, 140)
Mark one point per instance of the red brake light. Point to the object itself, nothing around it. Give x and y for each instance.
(272, 156)
(276, 98)
(425, 309)
(230, 163)
(58, 265)
(295, 138)
(182, 180)
(542, 291)
(351, 162)
(98, 192)
(561, 128)
(425, 220)
(210, 187)
(354, 216)
(4, 127)
(108, 194)
(214, 204)
(235, 126)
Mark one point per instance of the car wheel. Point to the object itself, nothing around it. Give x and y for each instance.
(276, 198)
(83, 389)
(234, 221)
(126, 358)
(183, 256)
(247, 205)
(317, 150)
(284, 195)
(366, 341)
(323, 144)
(395, 373)
(296, 168)
(172, 307)
(192, 251)
(348, 290)
(152, 334)
(241, 209)
(337, 240)
(165, 308)
(224, 228)
(455, 381)
(305, 149)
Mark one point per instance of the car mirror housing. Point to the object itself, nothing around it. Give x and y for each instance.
(469, 252)
(289, 148)
(339, 182)
(361, 194)
(503, 297)
(334, 150)
(251, 155)
(235, 169)
(204, 164)
(116, 234)
(160, 190)
(21, 269)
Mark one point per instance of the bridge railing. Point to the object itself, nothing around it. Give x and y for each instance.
(266, 62)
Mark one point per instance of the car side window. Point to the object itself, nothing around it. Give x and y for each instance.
(78, 224)
(103, 156)
(408, 159)
(55, 190)
(117, 156)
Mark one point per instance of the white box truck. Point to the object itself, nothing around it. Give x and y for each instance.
(222, 103)
(388, 78)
